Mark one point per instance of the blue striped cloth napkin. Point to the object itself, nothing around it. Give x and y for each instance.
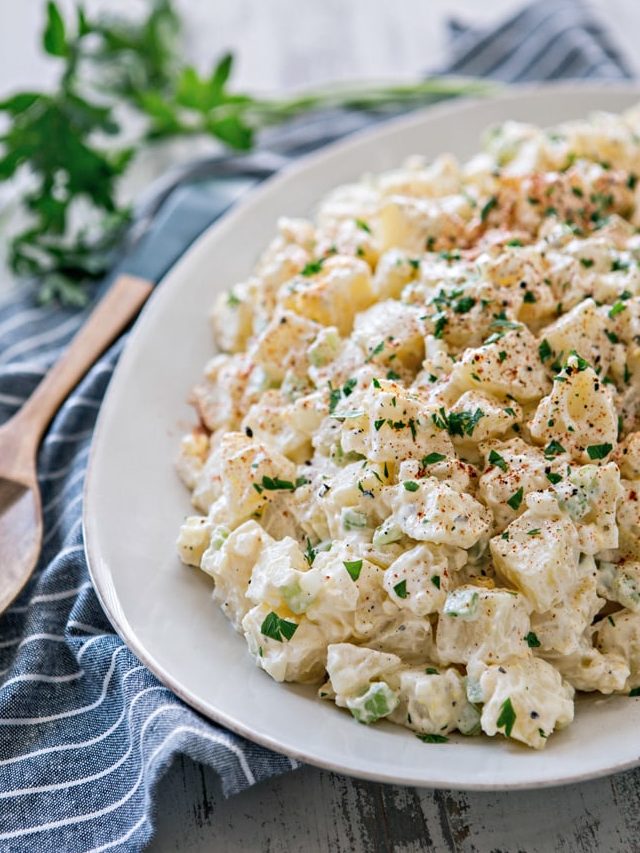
(86, 731)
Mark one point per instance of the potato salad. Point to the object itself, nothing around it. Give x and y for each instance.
(416, 467)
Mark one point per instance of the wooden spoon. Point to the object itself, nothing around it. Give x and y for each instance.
(20, 504)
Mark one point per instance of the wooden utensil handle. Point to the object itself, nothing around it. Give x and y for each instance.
(111, 315)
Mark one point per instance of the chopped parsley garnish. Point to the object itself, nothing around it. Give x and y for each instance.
(415, 263)
(510, 411)
(301, 481)
(432, 458)
(488, 207)
(635, 691)
(529, 297)
(507, 717)
(433, 738)
(534, 532)
(501, 321)
(462, 306)
(312, 268)
(400, 589)
(278, 629)
(544, 350)
(612, 336)
(232, 300)
(393, 376)
(376, 383)
(496, 459)
(554, 478)
(354, 567)
(554, 448)
(501, 356)
(310, 552)
(587, 262)
(411, 486)
(515, 243)
(599, 451)
(334, 398)
(457, 423)
(616, 309)
(431, 670)
(336, 393)
(582, 362)
(375, 351)
(532, 640)
(632, 180)
(274, 484)
(441, 322)
(516, 499)
(349, 385)
(378, 424)
(363, 225)
(435, 580)
(619, 266)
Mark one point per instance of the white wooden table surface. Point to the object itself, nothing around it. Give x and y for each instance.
(312, 810)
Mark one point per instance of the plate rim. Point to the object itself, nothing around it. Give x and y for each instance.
(101, 580)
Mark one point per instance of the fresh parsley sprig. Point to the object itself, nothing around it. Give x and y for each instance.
(72, 143)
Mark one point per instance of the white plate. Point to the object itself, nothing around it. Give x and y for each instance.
(134, 502)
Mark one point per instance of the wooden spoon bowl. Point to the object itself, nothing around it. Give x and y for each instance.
(20, 503)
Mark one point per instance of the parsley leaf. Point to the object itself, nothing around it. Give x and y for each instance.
(532, 640)
(554, 448)
(464, 305)
(354, 567)
(274, 484)
(375, 351)
(516, 499)
(544, 350)
(599, 451)
(457, 423)
(496, 459)
(400, 589)
(433, 738)
(507, 717)
(277, 629)
(411, 486)
(312, 268)
(488, 207)
(432, 458)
